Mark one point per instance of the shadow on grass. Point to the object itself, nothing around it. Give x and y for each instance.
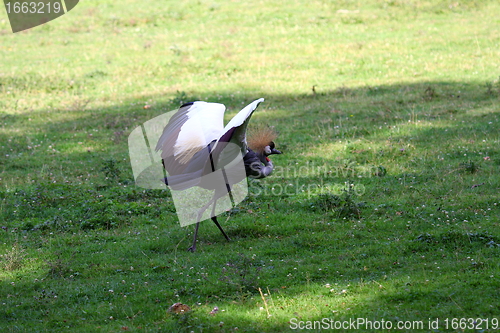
(73, 143)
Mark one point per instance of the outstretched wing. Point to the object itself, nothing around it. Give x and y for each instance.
(236, 130)
(195, 144)
(190, 130)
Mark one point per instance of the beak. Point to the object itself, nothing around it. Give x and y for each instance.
(275, 151)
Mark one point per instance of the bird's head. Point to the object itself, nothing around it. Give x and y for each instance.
(261, 141)
(270, 149)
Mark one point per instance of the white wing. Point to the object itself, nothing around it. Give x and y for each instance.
(243, 115)
(191, 129)
(235, 131)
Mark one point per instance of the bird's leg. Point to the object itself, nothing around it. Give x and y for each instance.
(213, 201)
(214, 219)
(192, 248)
(228, 188)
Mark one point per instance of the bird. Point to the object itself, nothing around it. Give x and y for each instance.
(198, 151)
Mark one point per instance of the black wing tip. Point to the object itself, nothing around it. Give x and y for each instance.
(186, 105)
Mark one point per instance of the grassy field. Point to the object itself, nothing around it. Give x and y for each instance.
(384, 205)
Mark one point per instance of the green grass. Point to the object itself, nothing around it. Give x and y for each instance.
(384, 204)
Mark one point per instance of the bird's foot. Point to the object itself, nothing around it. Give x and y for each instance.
(192, 248)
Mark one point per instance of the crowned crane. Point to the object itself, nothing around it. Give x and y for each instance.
(195, 143)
